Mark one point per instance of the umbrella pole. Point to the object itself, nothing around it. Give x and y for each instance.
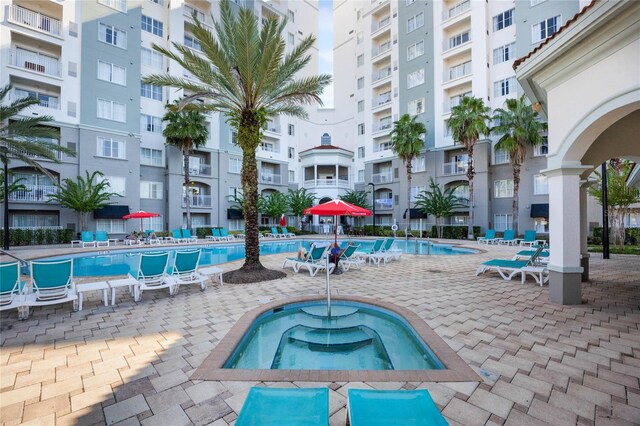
(328, 288)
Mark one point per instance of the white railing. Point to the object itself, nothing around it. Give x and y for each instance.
(313, 183)
(52, 141)
(271, 127)
(188, 12)
(384, 204)
(385, 177)
(51, 102)
(454, 168)
(456, 10)
(380, 74)
(384, 98)
(21, 16)
(381, 126)
(375, 26)
(34, 61)
(385, 146)
(270, 178)
(380, 49)
(269, 148)
(120, 5)
(197, 201)
(458, 71)
(33, 193)
(201, 170)
(456, 41)
(37, 227)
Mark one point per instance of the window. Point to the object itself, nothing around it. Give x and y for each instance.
(235, 165)
(153, 223)
(360, 175)
(360, 60)
(360, 106)
(112, 35)
(501, 156)
(190, 11)
(292, 129)
(151, 190)
(361, 129)
(234, 137)
(459, 39)
(415, 78)
(112, 73)
(292, 176)
(545, 28)
(152, 26)
(111, 110)
(415, 22)
(415, 190)
(416, 107)
(360, 38)
(325, 139)
(541, 150)
(504, 87)
(151, 59)
(151, 157)
(540, 185)
(150, 123)
(461, 192)
(361, 152)
(151, 91)
(415, 50)
(503, 188)
(502, 222)
(291, 152)
(112, 226)
(503, 20)
(536, 2)
(120, 5)
(541, 225)
(291, 16)
(361, 83)
(418, 164)
(192, 43)
(290, 38)
(504, 53)
(111, 148)
(117, 184)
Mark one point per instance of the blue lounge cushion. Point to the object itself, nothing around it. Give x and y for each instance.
(285, 407)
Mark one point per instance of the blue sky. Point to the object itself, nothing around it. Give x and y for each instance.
(325, 44)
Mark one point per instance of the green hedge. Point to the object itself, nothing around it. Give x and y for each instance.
(632, 236)
(29, 237)
(455, 232)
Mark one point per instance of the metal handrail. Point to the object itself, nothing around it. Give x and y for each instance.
(23, 263)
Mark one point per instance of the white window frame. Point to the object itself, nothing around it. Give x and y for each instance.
(537, 33)
(459, 39)
(291, 16)
(504, 87)
(540, 185)
(191, 42)
(151, 58)
(415, 50)
(153, 26)
(415, 78)
(235, 165)
(539, 150)
(291, 39)
(502, 222)
(151, 91)
(419, 164)
(360, 175)
(110, 109)
(150, 123)
(111, 226)
(360, 60)
(415, 22)
(361, 106)
(501, 156)
(117, 36)
(504, 53)
(360, 83)
(151, 190)
(415, 191)
(151, 159)
(113, 72)
(361, 152)
(361, 129)
(416, 106)
(291, 129)
(119, 5)
(503, 20)
(503, 188)
(107, 146)
(360, 37)
(120, 187)
(292, 175)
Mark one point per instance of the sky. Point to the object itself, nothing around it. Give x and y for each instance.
(325, 44)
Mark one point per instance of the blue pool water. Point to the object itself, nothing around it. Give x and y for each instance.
(356, 337)
(121, 262)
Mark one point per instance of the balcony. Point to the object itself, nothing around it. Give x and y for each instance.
(377, 25)
(272, 127)
(456, 41)
(35, 61)
(381, 126)
(384, 177)
(382, 99)
(44, 100)
(380, 74)
(381, 48)
(190, 10)
(197, 201)
(454, 168)
(385, 146)
(334, 183)
(457, 71)
(456, 10)
(200, 170)
(34, 193)
(34, 20)
(270, 178)
(383, 204)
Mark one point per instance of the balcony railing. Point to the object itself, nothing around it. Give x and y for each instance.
(456, 41)
(21, 16)
(456, 10)
(34, 61)
(383, 99)
(272, 127)
(339, 183)
(384, 204)
(380, 49)
(458, 71)
(375, 26)
(189, 10)
(197, 201)
(380, 74)
(454, 168)
(52, 141)
(34, 193)
(385, 177)
(270, 178)
(44, 101)
(385, 146)
(201, 170)
(381, 126)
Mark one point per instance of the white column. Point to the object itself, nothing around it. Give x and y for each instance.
(315, 175)
(336, 175)
(584, 229)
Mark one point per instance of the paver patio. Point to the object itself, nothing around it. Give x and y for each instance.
(540, 362)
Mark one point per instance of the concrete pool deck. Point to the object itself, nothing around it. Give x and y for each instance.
(539, 362)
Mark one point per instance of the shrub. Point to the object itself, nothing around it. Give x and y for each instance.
(455, 232)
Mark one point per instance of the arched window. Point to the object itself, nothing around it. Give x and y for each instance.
(325, 139)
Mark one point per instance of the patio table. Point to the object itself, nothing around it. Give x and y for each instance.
(214, 272)
(99, 285)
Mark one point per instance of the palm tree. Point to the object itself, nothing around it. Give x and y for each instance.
(467, 122)
(22, 139)
(520, 128)
(274, 205)
(357, 198)
(407, 142)
(14, 186)
(247, 76)
(84, 195)
(439, 203)
(186, 130)
(299, 201)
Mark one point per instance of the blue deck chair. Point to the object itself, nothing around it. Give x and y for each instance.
(102, 239)
(274, 233)
(185, 269)
(286, 232)
(489, 237)
(285, 407)
(51, 283)
(530, 238)
(176, 237)
(508, 268)
(508, 238)
(349, 259)
(314, 261)
(543, 257)
(11, 287)
(393, 407)
(186, 235)
(86, 239)
(152, 274)
(225, 235)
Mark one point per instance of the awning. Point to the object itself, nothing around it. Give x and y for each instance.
(540, 210)
(111, 212)
(234, 214)
(416, 214)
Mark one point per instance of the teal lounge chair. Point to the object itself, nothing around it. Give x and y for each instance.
(185, 269)
(11, 287)
(225, 235)
(315, 261)
(530, 238)
(274, 233)
(393, 407)
(543, 257)
(51, 284)
(508, 268)
(285, 407)
(86, 239)
(489, 237)
(509, 238)
(292, 260)
(375, 251)
(286, 232)
(102, 239)
(186, 235)
(349, 259)
(176, 237)
(152, 274)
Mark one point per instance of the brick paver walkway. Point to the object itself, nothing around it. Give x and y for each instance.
(540, 362)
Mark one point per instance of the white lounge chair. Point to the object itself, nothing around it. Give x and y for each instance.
(51, 284)
(185, 269)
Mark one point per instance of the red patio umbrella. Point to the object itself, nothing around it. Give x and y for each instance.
(337, 208)
(140, 214)
(283, 221)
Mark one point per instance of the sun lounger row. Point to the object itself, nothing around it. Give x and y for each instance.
(220, 234)
(382, 252)
(52, 281)
(509, 238)
(310, 406)
(283, 234)
(507, 269)
(88, 239)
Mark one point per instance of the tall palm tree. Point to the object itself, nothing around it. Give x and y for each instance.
(467, 122)
(439, 203)
(186, 130)
(520, 128)
(21, 138)
(299, 201)
(247, 76)
(407, 142)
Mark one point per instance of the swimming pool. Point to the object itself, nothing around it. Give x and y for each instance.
(121, 262)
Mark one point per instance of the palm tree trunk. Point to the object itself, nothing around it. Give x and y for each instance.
(249, 179)
(470, 174)
(187, 189)
(408, 227)
(516, 188)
